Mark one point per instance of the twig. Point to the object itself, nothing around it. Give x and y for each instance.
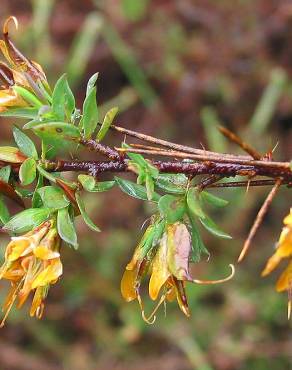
(237, 140)
(210, 157)
(170, 145)
(259, 219)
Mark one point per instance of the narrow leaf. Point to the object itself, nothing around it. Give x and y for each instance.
(90, 114)
(66, 228)
(213, 228)
(85, 216)
(24, 143)
(53, 197)
(213, 199)
(134, 190)
(108, 119)
(63, 101)
(194, 204)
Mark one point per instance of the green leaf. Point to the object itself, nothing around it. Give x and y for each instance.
(149, 186)
(85, 216)
(24, 143)
(198, 246)
(63, 101)
(134, 190)
(30, 113)
(36, 198)
(66, 228)
(158, 231)
(108, 119)
(89, 184)
(213, 228)
(194, 204)
(27, 171)
(4, 213)
(172, 208)
(136, 158)
(213, 199)
(90, 114)
(5, 173)
(28, 219)
(28, 96)
(55, 133)
(172, 183)
(11, 154)
(91, 83)
(53, 197)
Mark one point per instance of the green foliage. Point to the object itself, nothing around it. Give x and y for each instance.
(66, 228)
(90, 114)
(28, 219)
(172, 208)
(107, 121)
(172, 183)
(24, 143)
(28, 96)
(84, 215)
(27, 171)
(89, 184)
(63, 101)
(5, 173)
(134, 190)
(53, 197)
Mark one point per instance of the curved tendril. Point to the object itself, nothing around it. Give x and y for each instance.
(229, 277)
(6, 23)
(151, 318)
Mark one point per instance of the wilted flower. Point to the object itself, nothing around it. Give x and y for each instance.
(20, 71)
(168, 266)
(32, 264)
(284, 250)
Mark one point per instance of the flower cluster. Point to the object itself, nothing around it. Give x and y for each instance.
(32, 264)
(166, 258)
(20, 71)
(284, 250)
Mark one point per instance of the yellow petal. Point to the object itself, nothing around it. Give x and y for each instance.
(181, 297)
(17, 247)
(160, 272)
(128, 285)
(285, 280)
(139, 252)
(179, 248)
(43, 253)
(49, 275)
(37, 306)
(288, 219)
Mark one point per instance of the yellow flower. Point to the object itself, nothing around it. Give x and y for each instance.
(168, 266)
(8, 97)
(32, 264)
(284, 250)
(20, 72)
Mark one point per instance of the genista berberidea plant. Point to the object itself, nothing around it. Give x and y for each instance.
(177, 187)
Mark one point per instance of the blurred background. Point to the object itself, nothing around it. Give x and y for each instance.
(176, 68)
